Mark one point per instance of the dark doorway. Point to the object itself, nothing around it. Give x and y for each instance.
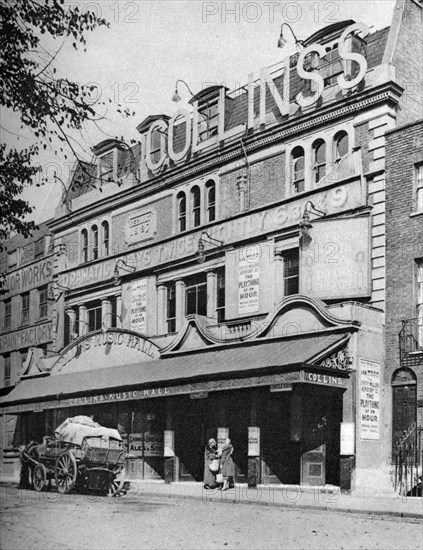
(404, 405)
(280, 455)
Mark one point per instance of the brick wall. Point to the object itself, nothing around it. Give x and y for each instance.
(267, 185)
(408, 61)
(404, 235)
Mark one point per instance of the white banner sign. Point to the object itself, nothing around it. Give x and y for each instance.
(248, 280)
(139, 306)
(369, 399)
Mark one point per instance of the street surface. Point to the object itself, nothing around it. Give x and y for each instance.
(47, 520)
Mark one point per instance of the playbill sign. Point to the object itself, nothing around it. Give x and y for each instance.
(139, 306)
(369, 399)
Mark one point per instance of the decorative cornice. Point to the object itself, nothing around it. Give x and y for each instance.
(258, 333)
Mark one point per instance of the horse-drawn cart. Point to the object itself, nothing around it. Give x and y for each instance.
(82, 455)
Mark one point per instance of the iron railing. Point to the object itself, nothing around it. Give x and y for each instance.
(411, 336)
(409, 463)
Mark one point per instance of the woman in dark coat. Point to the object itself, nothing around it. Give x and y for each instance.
(227, 467)
(210, 454)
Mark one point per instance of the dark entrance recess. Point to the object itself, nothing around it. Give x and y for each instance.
(197, 420)
(280, 455)
(320, 443)
(404, 405)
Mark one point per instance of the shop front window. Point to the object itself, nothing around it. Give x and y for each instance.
(220, 298)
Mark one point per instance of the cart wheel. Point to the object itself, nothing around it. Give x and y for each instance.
(39, 477)
(65, 472)
(117, 484)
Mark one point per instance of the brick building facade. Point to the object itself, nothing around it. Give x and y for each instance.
(230, 278)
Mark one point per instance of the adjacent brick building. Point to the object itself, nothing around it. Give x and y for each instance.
(404, 277)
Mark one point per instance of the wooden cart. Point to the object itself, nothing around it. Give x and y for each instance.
(97, 464)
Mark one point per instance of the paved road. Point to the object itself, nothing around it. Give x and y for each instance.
(47, 521)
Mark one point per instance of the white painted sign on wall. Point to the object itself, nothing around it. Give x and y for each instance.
(139, 306)
(369, 395)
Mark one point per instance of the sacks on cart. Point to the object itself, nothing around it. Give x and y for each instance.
(75, 429)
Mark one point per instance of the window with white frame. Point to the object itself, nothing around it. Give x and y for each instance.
(94, 242)
(419, 269)
(105, 235)
(84, 245)
(220, 296)
(42, 301)
(182, 211)
(418, 186)
(340, 145)
(208, 121)
(196, 206)
(298, 170)
(211, 200)
(171, 307)
(330, 66)
(7, 314)
(319, 160)
(25, 308)
(156, 145)
(291, 271)
(196, 295)
(7, 369)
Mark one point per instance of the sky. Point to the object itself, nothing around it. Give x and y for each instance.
(151, 44)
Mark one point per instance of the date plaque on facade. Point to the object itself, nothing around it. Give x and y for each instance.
(141, 227)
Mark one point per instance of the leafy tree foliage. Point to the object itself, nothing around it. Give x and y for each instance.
(51, 107)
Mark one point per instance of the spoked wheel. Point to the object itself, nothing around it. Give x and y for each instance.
(39, 477)
(116, 487)
(65, 472)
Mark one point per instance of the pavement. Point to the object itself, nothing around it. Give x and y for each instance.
(289, 496)
(295, 497)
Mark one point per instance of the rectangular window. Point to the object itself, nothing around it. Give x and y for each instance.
(196, 295)
(418, 178)
(330, 66)
(291, 271)
(42, 302)
(39, 248)
(220, 298)
(171, 308)
(420, 303)
(156, 146)
(6, 359)
(7, 314)
(12, 259)
(25, 308)
(94, 316)
(208, 122)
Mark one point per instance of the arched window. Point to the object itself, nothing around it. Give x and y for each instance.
(196, 206)
(105, 237)
(94, 237)
(297, 158)
(84, 245)
(211, 200)
(319, 157)
(182, 211)
(341, 145)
